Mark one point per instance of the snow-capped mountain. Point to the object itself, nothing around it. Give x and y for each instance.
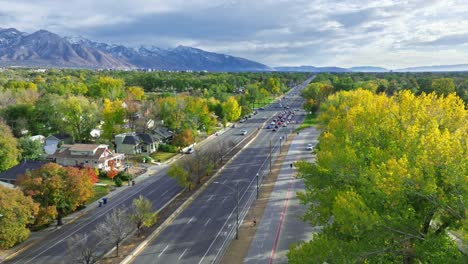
(46, 49)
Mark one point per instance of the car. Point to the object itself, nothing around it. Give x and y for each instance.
(242, 121)
(243, 132)
(268, 127)
(276, 127)
(274, 130)
(189, 151)
(309, 147)
(234, 125)
(284, 125)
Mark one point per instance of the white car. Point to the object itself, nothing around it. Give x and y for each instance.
(309, 147)
(244, 132)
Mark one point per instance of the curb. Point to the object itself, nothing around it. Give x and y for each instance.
(179, 210)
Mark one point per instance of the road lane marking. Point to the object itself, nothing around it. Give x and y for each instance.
(209, 199)
(191, 219)
(181, 255)
(207, 222)
(283, 212)
(224, 199)
(163, 251)
(162, 195)
(118, 200)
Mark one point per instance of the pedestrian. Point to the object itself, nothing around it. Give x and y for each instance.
(291, 165)
(254, 221)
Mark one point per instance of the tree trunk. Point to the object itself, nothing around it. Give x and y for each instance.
(59, 217)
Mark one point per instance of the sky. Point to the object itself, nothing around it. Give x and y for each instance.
(387, 33)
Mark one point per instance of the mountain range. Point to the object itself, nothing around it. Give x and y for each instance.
(46, 49)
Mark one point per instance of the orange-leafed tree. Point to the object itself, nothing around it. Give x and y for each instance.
(183, 138)
(57, 190)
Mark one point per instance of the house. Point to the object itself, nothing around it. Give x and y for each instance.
(87, 155)
(11, 175)
(54, 141)
(136, 143)
(163, 134)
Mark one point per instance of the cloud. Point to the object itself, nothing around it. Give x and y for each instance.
(389, 33)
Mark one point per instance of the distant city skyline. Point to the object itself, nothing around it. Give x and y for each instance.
(345, 33)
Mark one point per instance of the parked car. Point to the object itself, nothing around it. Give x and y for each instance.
(189, 151)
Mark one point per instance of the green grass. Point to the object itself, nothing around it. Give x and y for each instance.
(309, 121)
(99, 192)
(162, 156)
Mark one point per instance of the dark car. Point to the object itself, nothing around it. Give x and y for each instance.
(274, 130)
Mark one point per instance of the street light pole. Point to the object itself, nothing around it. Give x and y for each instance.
(257, 186)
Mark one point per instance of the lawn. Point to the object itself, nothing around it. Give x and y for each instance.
(310, 120)
(99, 192)
(162, 156)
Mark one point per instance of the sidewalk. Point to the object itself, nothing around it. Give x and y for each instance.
(38, 236)
(277, 212)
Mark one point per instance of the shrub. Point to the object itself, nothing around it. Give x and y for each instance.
(167, 148)
(118, 181)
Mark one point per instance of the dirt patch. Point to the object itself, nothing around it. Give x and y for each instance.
(238, 249)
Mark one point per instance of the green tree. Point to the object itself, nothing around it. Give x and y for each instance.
(143, 214)
(79, 117)
(252, 94)
(389, 180)
(273, 85)
(443, 86)
(30, 149)
(231, 109)
(178, 172)
(107, 87)
(9, 152)
(17, 211)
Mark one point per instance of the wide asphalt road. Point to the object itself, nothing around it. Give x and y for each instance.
(159, 189)
(202, 231)
(280, 225)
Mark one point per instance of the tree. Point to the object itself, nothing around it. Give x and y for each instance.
(273, 85)
(179, 173)
(58, 190)
(136, 93)
(17, 211)
(389, 179)
(79, 117)
(8, 148)
(252, 94)
(143, 214)
(107, 87)
(30, 149)
(443, 86)
(113, 115)
(231, 109)
(80, 250)
(183, 138)
(115, 228)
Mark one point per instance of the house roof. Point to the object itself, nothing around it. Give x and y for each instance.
(163, 132)
(147, 138)
(61, 136)
(21, 169)
(131, 139)
(84, 147)
(65, 152)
